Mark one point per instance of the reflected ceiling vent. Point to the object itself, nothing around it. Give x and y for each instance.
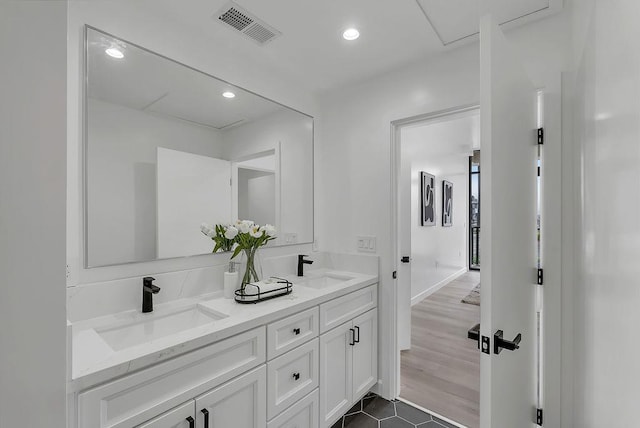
(245, 22)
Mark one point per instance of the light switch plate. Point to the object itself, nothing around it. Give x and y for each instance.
(366, 244)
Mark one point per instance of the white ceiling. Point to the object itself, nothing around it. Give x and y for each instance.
(311, 49)
(456, 20)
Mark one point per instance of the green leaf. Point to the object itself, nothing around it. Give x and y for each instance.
(237, 251)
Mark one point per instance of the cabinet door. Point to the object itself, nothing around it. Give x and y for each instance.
(180, 417)
(365, 353)
(240, 403)
(335, 373)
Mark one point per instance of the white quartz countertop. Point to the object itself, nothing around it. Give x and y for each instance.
(95, 362)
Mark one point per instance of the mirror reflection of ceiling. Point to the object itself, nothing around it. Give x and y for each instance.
(169, 89)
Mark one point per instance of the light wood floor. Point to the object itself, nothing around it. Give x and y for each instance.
(441, 371)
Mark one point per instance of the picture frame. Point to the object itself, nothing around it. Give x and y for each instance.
(447, 203)
(427, 199)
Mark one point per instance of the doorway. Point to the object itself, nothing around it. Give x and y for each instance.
(439, 367)
(474, 211)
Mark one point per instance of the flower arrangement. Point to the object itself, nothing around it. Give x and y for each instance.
(250, 237)
(243, 236)
(223, 235)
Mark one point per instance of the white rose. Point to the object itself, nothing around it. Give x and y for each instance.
(248, 222)
(255, 232)
(231, 232)
(269, 230)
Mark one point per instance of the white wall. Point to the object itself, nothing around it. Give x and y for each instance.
(141, 23)
(32, 214)
(437, 252)
(290, 131)
(354, 155)
(606, 158)
(257, 194)
(440, 148)
(122, 150)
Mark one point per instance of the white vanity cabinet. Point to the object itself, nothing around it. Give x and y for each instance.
(301, 371)
(139, 397)
(240, 403)
(348, 353)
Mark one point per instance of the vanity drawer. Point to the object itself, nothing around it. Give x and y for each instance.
(345, 308)
(286, 334)
(136, 398)
(291, 377)
(304, 414)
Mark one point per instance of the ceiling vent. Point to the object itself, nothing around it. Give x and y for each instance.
(241, 20)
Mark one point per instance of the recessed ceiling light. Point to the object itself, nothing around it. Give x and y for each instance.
(114, 52)
(228, 94)
(351, 34)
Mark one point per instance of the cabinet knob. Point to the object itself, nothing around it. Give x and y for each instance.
(192, 422)
(352, 338)
(296, 376)
(356, 340)
(296, 331)
(205, 412)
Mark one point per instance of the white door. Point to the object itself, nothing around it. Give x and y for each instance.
(240, 403)
(181, 417)
(508, 144)
(365, 353)
(335, 373)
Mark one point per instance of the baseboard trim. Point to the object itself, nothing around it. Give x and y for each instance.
(428, 292)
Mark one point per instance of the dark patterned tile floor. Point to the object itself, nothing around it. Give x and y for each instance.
(376, 412)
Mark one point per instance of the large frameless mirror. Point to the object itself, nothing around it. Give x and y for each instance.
(168, 147)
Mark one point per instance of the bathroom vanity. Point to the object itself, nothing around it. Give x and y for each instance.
(299, 360)
(181, 154)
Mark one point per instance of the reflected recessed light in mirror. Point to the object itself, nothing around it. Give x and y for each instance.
(351, 34)
(228, 94)
(114, 52)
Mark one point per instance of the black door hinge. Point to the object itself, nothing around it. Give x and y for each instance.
(540, 277)
(540, 135)
(539, 417)
(395, 274)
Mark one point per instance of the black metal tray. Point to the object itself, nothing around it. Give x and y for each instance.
(246, 298)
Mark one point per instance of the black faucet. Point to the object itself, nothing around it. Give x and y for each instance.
(301, 263)
(148, 290)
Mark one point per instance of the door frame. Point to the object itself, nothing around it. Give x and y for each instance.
(396, 157)
(275, 151)
(552, 245)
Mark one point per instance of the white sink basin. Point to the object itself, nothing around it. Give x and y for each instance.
(149, 327)
(322, 280)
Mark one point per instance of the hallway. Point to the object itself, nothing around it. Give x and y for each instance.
(441, 371)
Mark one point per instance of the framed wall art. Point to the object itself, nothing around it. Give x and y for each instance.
(427, 199)
(447, 203)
